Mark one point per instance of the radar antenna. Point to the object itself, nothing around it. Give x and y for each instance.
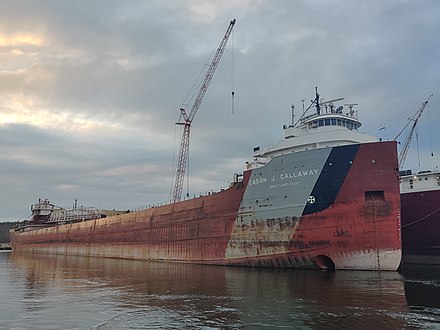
(350, 106)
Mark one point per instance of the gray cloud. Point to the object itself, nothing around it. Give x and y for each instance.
(88, 106)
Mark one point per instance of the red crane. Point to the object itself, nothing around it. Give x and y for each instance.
(184, 146)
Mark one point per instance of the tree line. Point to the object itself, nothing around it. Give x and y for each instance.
(4, 230)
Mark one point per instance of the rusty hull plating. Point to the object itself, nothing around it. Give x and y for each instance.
(349, 220)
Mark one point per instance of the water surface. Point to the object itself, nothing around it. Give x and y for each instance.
(67, 292)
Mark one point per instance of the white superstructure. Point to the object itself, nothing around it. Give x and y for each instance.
(329, 126)
(420, 182)
(46, 212)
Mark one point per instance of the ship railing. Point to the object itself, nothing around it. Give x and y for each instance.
(261, 151)
(256, 163)
(237, 179)
(75, 215)
(42, 206)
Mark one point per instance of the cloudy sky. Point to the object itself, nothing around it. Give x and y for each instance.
(90, 91)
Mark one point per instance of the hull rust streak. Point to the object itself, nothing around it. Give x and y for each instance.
(250, 225)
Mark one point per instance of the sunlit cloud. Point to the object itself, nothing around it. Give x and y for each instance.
(29, 111)
(20, 40)
(17, 52)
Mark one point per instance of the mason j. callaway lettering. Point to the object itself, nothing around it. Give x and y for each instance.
(284, 176)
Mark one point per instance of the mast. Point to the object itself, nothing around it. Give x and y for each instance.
(316, 101)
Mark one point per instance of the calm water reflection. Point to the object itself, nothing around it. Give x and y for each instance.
(59, 292)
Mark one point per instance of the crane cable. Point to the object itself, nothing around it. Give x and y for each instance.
(233, 74)
(173, 172)
(430, 132)
(417, 145)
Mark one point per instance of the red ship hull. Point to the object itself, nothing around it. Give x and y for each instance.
(421, 227)
(359, 229)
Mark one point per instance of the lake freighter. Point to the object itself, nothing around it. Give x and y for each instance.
(420, 203)
(326, 197)
(420, 196)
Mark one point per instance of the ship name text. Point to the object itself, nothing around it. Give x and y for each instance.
(291, 175)
(284, 176)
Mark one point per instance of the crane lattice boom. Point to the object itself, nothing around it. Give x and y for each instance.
(184, 146)
(414, 119)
